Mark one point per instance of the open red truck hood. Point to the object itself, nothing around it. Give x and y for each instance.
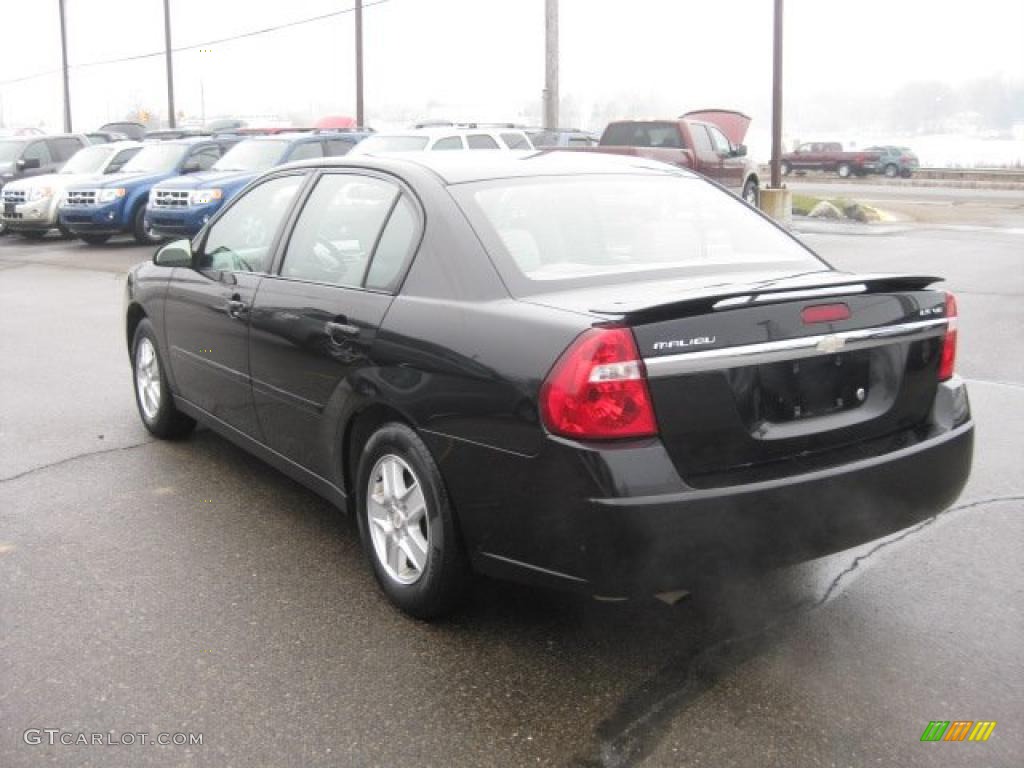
(733, 124)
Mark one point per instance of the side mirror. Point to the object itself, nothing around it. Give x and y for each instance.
(28, 163)
(192, 166)
(739, 151)
(175, 254)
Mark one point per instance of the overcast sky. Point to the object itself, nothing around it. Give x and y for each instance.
(484, 59)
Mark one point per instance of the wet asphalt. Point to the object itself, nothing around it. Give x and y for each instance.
(150, 587)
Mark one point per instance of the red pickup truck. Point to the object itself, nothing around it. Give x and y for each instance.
(829, 156)
(708, 141)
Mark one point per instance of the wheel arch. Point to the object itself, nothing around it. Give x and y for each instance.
(358, 429)
(135, 315)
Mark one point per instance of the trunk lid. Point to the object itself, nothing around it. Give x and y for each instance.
(759, 379)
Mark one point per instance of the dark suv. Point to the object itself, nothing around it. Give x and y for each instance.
(23, 156)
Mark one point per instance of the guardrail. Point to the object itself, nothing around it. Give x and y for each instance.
(966, 178)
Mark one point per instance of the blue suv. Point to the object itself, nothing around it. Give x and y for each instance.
(180, 207)
(109, 205)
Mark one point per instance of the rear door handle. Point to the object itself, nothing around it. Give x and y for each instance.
(340, 331)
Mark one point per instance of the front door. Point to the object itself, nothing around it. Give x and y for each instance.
(732, 168)
(315, 322)
(208, 308)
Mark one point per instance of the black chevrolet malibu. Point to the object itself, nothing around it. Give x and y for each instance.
(575, 370)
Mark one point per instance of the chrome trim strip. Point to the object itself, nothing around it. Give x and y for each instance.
(791, 349)
(809, 293)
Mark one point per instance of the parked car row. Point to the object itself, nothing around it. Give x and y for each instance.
(829, 156)
(173, 181)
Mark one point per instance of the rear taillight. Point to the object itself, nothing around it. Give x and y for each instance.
(598, 389)
(947, 362)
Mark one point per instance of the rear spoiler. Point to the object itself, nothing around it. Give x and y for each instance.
(797, 287)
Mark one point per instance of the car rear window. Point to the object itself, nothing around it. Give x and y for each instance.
(556, 232)
(656, 134)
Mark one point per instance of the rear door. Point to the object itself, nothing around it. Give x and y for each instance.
(208, 308)
(314, 322)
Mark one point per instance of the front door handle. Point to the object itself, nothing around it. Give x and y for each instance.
(340, 331)
(237, 308)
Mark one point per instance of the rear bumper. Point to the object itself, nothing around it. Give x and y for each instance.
(619, 521)
(659, 543)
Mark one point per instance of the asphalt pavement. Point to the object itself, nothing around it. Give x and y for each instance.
(187, 588)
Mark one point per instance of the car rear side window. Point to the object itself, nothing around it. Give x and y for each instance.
(555, 233)
(394, 248)
(64, 147)
(339, 147)
(338, 229)
(481, 141)
(306, 151)
(448, 142)
(515, 141)
(241, 239)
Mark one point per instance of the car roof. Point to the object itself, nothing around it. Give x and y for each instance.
(440, 131)
(43, 136)
(481, 165)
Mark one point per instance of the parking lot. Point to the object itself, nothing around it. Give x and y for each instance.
(188, 588)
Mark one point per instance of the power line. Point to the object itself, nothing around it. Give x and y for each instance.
(252, 33)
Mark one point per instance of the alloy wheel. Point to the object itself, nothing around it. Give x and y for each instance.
(147, 378)
(396, 512)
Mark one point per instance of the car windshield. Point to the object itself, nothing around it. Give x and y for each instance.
(88, 160)
(9, 150)
(251, 155)
(392, 144)
(156, 158)
(560, 232)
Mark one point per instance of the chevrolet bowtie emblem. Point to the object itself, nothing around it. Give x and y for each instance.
(830, 344)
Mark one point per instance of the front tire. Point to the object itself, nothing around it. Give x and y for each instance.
(143, 235)
(407, 524)
(33, 235)
(95, 239)
(844, 170)
(751, 193)
(152, 393)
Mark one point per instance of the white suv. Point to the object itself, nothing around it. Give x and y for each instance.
(444, 137)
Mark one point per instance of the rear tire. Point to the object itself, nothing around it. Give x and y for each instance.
(32, 235)
(891, 171)
(95, 239)
(152, 393)
(143, 236)
(844, 170)
(407, 524)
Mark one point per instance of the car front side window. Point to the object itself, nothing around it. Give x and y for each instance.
(241, 240)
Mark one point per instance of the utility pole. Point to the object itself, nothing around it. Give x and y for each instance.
(777, 201)
(360, 122)
(170, 64)
(777, 99)
(551, 64)
(64, 67)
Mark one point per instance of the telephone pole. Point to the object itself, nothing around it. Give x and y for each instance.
(551, 64)
(170, 64)
(777, 98)
(360, 122)
(64, 67)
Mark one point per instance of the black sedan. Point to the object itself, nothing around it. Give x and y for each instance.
(576, 370)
